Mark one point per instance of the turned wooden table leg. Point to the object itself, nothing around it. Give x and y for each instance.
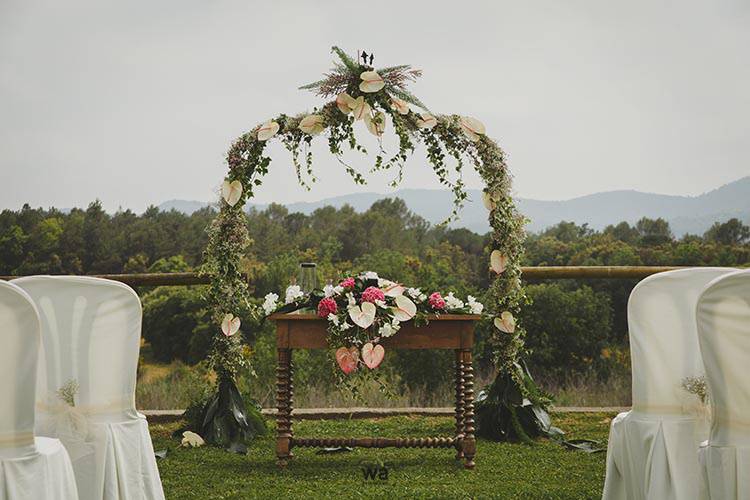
(284, 406)
(459, 403)
(469, 444)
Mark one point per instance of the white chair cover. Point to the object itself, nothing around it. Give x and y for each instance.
(91, 330)
(723, 317)
(30, 467)
(652, 450)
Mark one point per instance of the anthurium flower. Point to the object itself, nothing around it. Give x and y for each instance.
(372, 355)
(363, 315)
(498, 261)
(230, 324)
(399, 105)
(231, 192)
(506, 322)
(376, 124)
(267, 130)
(191, 439)
(347, 358)
(489, 203)
(371, 82)
(312, 124)
(426, 120)
(360, 108)
(345, 103)
(391, 289)
(405, 309)
(472, 128)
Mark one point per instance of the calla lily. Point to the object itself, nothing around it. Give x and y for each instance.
(405, 309)
(399, 105)
(371, 82)
(191, 439)
(506, 322)
(372, 355)
(231, 192)
(376, 124)
(498, 261)
(360, 108)
(426, 120)
(472, 128)
(230, 324)
(345, 103)
(312, 124)
(347, 358)
(364, 315)
(489, 203)
(267, 130)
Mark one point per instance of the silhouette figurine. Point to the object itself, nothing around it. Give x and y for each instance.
(372, 56)
(364, 57)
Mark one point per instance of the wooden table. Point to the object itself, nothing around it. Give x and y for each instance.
(448, 331)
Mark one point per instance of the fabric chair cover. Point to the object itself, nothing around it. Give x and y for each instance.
(91, 331)
(30, 467)
(652, 450)
(723, 318)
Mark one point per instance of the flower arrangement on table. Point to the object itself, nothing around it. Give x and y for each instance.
(363, 310)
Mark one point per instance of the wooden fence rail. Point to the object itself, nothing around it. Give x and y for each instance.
(529, 273)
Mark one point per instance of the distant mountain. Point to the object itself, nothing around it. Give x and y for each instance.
(686, 214)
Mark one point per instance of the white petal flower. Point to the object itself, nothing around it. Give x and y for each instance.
(312, 124)
(350, 298)
(191, 439)
(400, 106)
(414, 292)
(371, 82)
(270, 303)
(345, 103)
(474, 306)
(498, 261)
(345, 326)
(360, 108)
(489, 203)
(293, 292)
(426, 120)
(328, 290)
(230, 324)
(231, 192)
(381, 304)
(338, 290)
(506, 322)
(267, 130)
(472, 128)
(453, 302)
(333, 319)
(375, 124)
(371, 275)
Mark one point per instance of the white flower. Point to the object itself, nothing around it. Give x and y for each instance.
(231, 192)
(293, 292)
(345, 326)
(267, 130)
(375, 124)
(414, 292)
(453, 302)
(381, 304)
(371, 82)
(191, 439)
(345, 103)
(350, 298)
(360, 108)
(389, 329)
(338, 290)
(328, 290)
(426, 120)
(472, 128)
(371, 275)
(333, 319)
(399, 105)
(270, 303)
(474, 306)
(312, 124)
(230, 324)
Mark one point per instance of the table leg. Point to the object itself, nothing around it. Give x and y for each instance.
(469, 444)
(459, 403)
(284, 406)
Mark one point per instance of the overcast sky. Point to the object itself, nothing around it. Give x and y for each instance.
(136, 102)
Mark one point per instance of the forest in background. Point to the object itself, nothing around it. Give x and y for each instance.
(577, 330)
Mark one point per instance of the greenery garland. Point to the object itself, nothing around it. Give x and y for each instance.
(361, 93)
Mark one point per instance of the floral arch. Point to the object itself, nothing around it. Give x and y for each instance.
(356, 91)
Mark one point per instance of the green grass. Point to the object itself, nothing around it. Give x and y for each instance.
(545, 470)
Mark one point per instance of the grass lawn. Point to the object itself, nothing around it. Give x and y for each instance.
(545, 470)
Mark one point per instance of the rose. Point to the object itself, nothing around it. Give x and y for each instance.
(347, 283)
(437, 301)
(372, 294)
(327, 306)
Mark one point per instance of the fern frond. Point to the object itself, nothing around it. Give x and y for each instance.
(346, 59)
(313, 85)
(408, 97)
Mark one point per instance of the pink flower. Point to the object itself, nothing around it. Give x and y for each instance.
(347, 283)
(327, 306)
(437, 301)
(372, 293)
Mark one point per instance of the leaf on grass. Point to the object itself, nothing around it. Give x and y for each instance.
(337, 449)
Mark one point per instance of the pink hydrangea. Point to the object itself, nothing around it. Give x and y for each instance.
(327, 306)
(437, 301)
(372, 293)
(347, 283)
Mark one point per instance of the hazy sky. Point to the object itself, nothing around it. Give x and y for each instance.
(136, 102)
